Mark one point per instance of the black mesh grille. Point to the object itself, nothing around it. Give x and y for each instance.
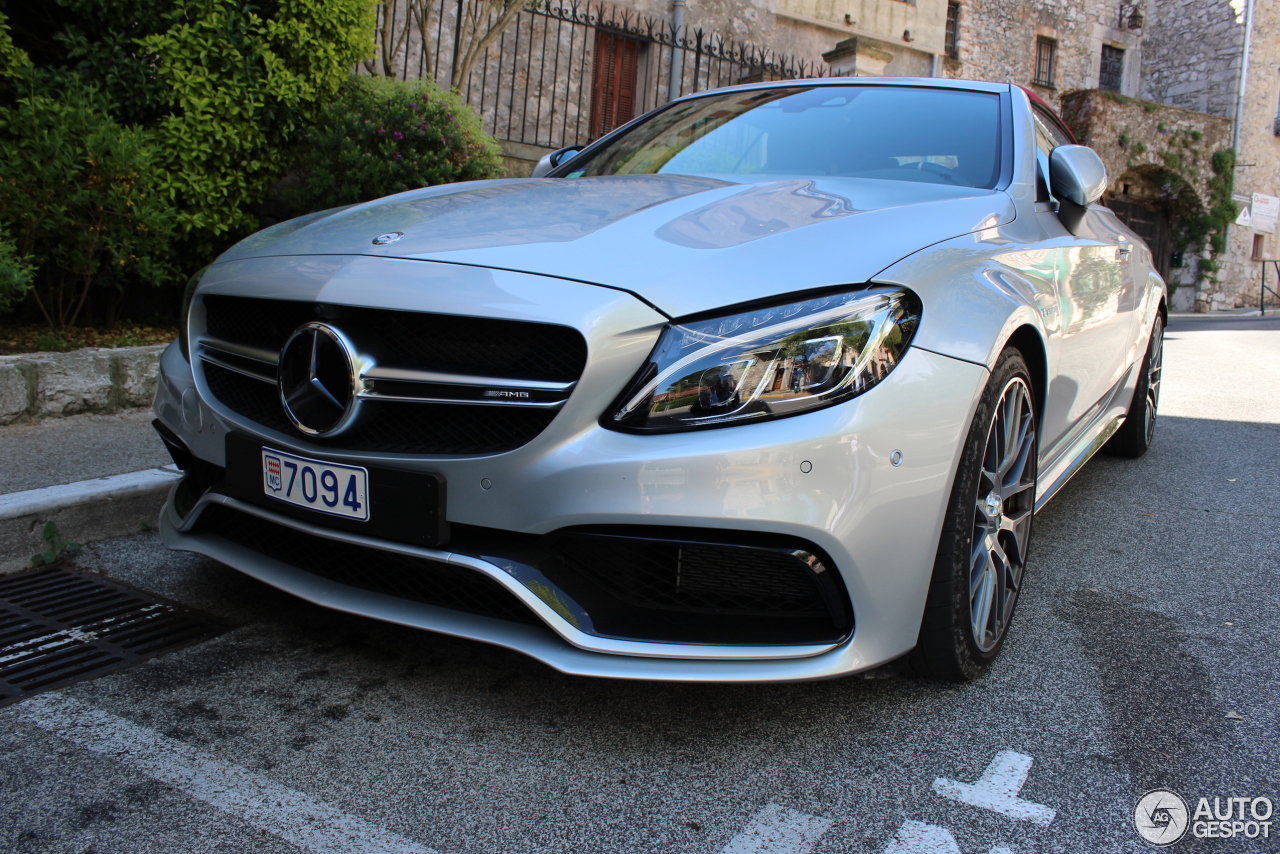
(254, 399)
(418, 579)
(704, 578)
(264, 323)
(440, 342)
(392, 428)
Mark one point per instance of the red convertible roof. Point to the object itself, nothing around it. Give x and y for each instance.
(1036, 99)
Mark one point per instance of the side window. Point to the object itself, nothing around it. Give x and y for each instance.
(1048, 137)
(1043, 146)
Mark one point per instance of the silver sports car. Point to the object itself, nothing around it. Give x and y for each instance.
(767, 384)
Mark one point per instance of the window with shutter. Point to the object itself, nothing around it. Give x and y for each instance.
(613, 82)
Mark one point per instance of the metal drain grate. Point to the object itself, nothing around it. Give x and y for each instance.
(59, 626)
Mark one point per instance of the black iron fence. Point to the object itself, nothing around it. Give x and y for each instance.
(560, 75)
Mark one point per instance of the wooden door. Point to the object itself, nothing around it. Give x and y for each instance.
(613, 82)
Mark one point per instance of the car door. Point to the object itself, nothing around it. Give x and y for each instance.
(1095, 310)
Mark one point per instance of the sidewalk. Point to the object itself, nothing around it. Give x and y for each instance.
(95, 476)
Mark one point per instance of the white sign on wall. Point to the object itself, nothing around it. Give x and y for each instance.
(1265, 210)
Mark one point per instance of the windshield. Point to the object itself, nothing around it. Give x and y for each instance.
(896, 133)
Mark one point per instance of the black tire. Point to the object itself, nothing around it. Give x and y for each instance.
(949, 647)
(1135, 435)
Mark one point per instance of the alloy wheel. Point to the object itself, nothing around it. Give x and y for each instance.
(1005, 503)
(1154, 363)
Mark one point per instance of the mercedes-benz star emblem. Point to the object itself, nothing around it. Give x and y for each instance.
(317, 380)
(389, 237)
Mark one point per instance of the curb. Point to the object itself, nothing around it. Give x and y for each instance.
(84, 512)
(92, 379)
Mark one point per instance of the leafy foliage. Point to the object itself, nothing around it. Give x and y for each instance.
(16, 272)
(12, 58)
(195, 104)
(383, 136)
(80, 194)
(237, 85)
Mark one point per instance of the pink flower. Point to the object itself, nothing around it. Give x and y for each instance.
(396, 156)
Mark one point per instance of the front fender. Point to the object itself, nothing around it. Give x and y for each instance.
(977, 290)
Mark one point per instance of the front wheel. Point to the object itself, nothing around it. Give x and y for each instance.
(986, 533)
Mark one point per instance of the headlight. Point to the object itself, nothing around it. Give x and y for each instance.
(184, 341)
(768, 362)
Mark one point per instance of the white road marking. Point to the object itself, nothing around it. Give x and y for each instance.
(778, 830)
(310, 824)
(916, 837)
(997, 789)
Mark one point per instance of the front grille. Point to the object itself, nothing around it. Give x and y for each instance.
(411, 341)
(417, 579)
(392, 428)
(440, 342)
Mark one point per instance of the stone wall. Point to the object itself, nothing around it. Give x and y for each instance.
(1191, 55)
(39, 385)
(1131, 136)
(910, 32)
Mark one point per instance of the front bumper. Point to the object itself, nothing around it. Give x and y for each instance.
(824, 477)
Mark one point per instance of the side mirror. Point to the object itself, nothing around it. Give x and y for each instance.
(1076, 173)
(554, 159)
(1078, 178)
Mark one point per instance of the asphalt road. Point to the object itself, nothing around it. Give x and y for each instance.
(79, 447)
(1144, 655)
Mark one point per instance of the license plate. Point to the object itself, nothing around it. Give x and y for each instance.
(323, 487)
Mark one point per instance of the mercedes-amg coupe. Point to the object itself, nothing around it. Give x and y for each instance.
(767, 384)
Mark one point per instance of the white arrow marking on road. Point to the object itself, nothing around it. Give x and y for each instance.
(997, 789)
(778, 830)
(916, 837)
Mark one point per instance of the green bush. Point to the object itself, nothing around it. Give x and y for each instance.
(81, 196)
(222, 84)
(238, 83)
(16, 272)
(12, 59)
(384, 136)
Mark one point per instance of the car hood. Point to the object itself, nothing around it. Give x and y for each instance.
(684, 244)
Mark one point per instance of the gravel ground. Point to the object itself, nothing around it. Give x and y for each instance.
(1143, 656)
